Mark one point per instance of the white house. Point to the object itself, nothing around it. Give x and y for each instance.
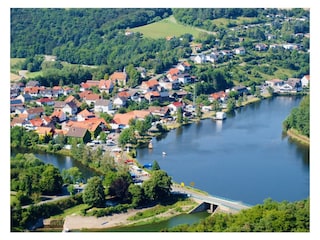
(199, 59)
(103, 105)
(305, 81)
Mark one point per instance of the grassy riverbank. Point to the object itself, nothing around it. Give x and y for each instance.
(292, 133)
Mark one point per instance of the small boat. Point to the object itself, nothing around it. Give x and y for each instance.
(164, 153)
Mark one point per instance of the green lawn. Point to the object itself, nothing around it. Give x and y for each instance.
(74, 210)
(164, 28)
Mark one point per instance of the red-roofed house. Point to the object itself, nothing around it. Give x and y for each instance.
(124, 118)
(45, 101)
(59, 116)
(119, 78)
(152, 96)
(106, 85)
(150, 85)
(175, 106)
(84, 114)
(219, 96)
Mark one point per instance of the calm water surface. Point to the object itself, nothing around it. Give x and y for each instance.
(245, 158)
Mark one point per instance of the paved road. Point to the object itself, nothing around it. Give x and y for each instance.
(232, 205)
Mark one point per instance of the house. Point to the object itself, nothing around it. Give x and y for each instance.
(240, 89)
(44, 131)
(172, 74)
(305, 81)
(58, 116)
(159, 111)
(184, 66)
(220, 96)
(45, 101)
(45, 92)
(184, 78)
(152, 96)
(19, 121)
(106, 86)
(166, 84)
(84, 115)
(261, 47)
(119, 78)
(34, 112)
(150, 85)
(36, 122)
(240, 51)
(119, 102)
(175, 106)
(15, 104)
(91, 98)
(291, 85)
(80, 135)
(67, 90)
(103, 105)
(33, 91)
(123, 119)
(25, 97)
(69, 108)
(93, 125)
(274, 82)
(179, 94)
(200, 58)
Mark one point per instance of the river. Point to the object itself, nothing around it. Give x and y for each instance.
(245, 157)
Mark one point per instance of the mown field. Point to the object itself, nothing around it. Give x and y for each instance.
(166, 27)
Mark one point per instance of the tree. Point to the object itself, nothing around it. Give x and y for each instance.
(136, 194)
(158, 187)
(179, 115)
(93, 194)
(51, 180)
(155, 166)
(71, 175)
(119, 186)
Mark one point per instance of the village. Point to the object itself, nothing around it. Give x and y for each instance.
(29, 103)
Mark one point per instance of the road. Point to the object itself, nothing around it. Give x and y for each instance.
(232, 205)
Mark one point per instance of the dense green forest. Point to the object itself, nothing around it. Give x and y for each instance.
(299, 118)
(270, 216)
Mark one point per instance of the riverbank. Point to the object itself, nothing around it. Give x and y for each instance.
(132, 217)
(292, 133)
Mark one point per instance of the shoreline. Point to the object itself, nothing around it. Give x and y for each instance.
(293, 134)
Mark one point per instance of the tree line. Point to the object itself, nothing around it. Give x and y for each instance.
(271, 216)
(299, 118)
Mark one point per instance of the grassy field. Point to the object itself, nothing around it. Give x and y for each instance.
(164, 28)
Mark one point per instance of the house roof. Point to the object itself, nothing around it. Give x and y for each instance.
(173, 71)
(92, 97)
(17, 120)
(36, 122)
(151, 83)
(58, 113)
(118, 76)
(45, 100)
(102, 102)
(90, 124)
(44, 130)
(124, 118)
(36, 110)
(105, 84)
(77, 132)
(85, 113)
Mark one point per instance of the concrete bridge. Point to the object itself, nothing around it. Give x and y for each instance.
(212, 203)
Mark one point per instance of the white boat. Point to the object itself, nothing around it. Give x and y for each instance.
(164, 153)
(220, 115)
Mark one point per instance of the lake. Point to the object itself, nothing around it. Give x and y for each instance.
(245, 157)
